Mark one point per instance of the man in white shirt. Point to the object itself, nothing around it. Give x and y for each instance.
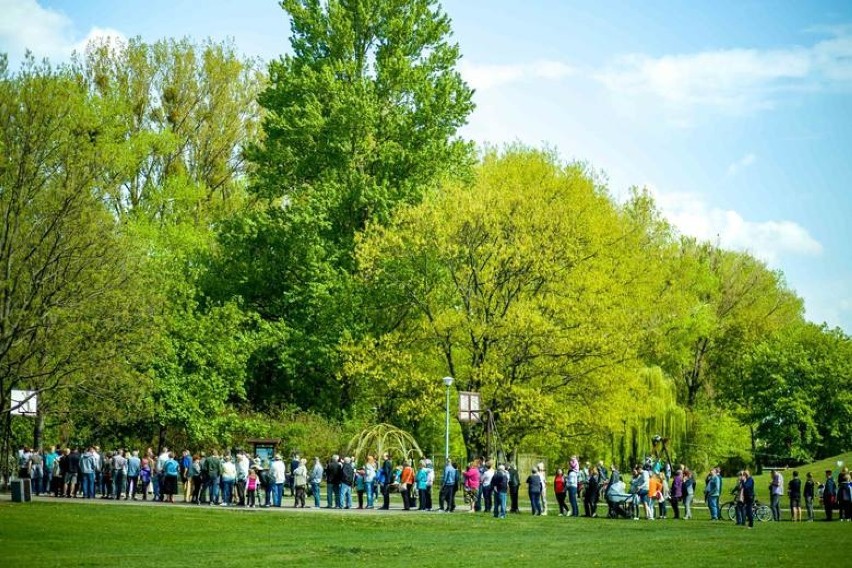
(279, 475)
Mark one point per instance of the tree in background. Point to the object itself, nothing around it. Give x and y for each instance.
(524, 286)
(72, 302)
(360, 118)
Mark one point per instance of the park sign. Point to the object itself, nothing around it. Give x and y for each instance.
(468, 406)
(24, 403)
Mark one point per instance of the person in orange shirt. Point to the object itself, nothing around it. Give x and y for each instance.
(406, 480)
(655, 493)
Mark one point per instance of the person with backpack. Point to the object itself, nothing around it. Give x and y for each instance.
(829, 495)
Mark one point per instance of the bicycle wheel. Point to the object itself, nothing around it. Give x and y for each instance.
(731, 510)
(762, 513)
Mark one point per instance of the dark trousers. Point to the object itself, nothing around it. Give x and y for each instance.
(675, 507)
(241, 492)
(428, 496)
(590, 503)
(385, 496)
(560, 498)
(405, 492)
(513, 498)
(749, 511)
(741, 513)
(488, 493)
(447, 499)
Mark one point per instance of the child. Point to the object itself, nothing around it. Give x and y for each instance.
(145, 478)
(251, 487)
(360, 486)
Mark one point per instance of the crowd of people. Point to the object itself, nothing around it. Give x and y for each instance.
(652, 488)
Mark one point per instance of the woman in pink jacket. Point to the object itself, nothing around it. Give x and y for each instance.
(471, 485)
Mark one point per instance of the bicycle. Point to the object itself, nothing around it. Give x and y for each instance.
(760, 511)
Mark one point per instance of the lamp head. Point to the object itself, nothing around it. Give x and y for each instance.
(448, 381)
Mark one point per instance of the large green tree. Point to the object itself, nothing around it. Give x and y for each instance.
(362, 116)
(524, 286)
(72, 301)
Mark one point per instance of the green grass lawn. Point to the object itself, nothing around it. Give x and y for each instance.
(78, 534)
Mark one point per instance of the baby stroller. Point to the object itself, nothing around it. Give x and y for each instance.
(618, 500)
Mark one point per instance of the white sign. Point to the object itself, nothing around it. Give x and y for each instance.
(24, 403)
(468, 406)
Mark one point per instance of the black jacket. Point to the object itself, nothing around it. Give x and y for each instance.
(347, 474)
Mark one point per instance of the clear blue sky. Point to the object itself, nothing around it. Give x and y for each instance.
(737, 115)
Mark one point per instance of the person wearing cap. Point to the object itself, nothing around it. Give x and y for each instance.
(278, 474)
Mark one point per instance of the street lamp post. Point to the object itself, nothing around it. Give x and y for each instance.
(447, 382)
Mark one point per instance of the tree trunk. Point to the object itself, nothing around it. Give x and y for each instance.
(38, 430)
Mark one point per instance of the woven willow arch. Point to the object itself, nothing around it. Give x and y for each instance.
(381, 438)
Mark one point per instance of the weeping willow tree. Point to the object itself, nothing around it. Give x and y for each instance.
(384, 438)
(654, 413)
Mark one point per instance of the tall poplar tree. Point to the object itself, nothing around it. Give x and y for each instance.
(362, 116)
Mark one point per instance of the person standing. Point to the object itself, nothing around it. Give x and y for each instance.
(422, 480)
(171, 472)
(446, 500)
(87, 473)
(776, 490)
(159, 470)
(387, 478)
(514, 487)
(73, 470)
(560, 490)
(677, 493)
(213, 471)
(844, 496)
(590, 495)
(406, 481)
(370, 480)
(35, 465)
(316, 480)
(186, 475)
(332, 477)
(278, 475)
(534, 486)
(688, 493)
(748, 497)
(572, 484)
(471, 485)
(500, 488)
(229, 478)
(119, 473)
(794, 491)
(251, 488)
(134, 464)
(714, 488)
(485, 485)
(829, 495)
(300, 483)
(347, 480)
(809, 493)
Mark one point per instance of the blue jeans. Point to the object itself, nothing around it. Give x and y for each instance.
(213, 488)
(741, 514)
(315, 489)
(370, 494)
(500, 504)
(277, 492)
(713, 505)
(89, 485)
(345, 496)
(535, 500)
(227, 490)
(572, 497)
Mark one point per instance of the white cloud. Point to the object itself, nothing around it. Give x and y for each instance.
(767, 240)
(741, 164)
(732, 80)
(486, 76)
(26, 25)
